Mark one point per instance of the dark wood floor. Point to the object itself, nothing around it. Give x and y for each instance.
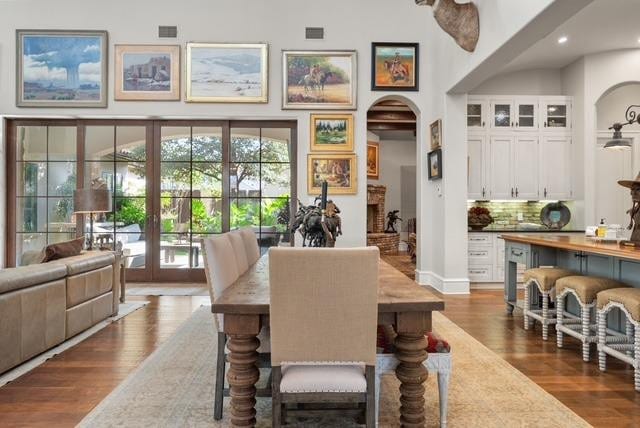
(62, 391)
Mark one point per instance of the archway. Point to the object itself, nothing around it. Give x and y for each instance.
(392, 179)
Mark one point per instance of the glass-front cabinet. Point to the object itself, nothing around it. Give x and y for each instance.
(526, 111)
(502, 114)
(556, 114)
(476, 114)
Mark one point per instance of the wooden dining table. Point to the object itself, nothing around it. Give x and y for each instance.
(401, 302)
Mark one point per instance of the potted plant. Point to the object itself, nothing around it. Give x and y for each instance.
(478, 218)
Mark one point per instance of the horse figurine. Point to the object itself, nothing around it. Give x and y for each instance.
(314, 231)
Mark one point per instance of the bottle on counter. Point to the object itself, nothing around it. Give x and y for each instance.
(602, 229)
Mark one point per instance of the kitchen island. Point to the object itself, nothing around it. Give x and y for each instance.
(583, 255)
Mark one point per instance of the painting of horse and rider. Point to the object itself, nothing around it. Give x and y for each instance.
(394, 67)
(319, 80)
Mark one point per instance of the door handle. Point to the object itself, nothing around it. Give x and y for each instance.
(545, 192)
(483, 123)
(545, 123)
(516, 253)
(516, 192)
(517, 124)
(512, 192)
(483, 192)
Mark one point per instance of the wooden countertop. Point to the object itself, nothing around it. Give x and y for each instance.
(396, 292)
(576, 243)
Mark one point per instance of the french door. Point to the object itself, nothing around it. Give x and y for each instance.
(172, 182)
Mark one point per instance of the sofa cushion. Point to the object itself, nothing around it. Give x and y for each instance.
(87, 285)
(64, 249)
(26, 276)
(88, 260)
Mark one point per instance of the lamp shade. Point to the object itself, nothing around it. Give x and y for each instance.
(91, 201)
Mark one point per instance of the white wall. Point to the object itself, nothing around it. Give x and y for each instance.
(611, 107)
(281, 23)
(526, 82)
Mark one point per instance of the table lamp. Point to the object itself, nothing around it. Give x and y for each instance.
(90, 201)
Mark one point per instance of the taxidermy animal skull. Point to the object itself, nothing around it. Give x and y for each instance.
(460, 21)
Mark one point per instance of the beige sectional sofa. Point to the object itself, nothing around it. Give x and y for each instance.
(42, 305)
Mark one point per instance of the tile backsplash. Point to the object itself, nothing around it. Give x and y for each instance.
(506, 212)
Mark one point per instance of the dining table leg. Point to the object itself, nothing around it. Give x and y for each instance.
(411, 352)
(243, 373)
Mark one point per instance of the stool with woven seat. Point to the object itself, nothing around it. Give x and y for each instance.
(585, 289)
(544, 279)
(623, 346)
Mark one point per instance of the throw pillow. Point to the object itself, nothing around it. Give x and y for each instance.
(63, 249)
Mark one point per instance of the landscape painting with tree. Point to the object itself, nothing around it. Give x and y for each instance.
(332, 132)
(227, 72)
(319, 80)
(147, 72)
(394, 66)
(339, 171)
(57, 68)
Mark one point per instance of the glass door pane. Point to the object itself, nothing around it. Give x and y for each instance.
(556, 115)
(502, 115)
(474, 115)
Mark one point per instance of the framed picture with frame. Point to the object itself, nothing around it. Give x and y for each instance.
(434, 160)
(147, 73)
(331, 132)
(61, 68)
(394, 66)
(373, 160)
(435, 134)
(339, 170)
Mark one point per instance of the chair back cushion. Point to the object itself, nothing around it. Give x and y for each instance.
(239, 250)
(324, 305)
(219, 266)
(250, 244)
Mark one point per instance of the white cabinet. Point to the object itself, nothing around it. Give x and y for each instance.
(526, 112)
(555, 114)
(499, 174)
(476, 114)
(555, 168)
(502, 114)
(476, 167)
(525, 152)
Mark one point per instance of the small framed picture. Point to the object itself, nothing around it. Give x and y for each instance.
(373, 160)
(435, 133)
(339, 170)
(435, 164)
(394, 66)
(331, 132)
(147, 73)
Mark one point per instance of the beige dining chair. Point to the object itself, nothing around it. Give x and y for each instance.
(250, 244)
(323, 318)
(239, 249)
(221, 270)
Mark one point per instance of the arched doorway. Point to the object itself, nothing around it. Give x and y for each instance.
(392, 163)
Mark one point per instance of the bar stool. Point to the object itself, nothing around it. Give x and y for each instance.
(545, 281)
(584, 327)
(625, 347)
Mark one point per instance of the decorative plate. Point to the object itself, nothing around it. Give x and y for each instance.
(555, 215)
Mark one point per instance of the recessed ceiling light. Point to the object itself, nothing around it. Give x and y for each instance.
(563, 39)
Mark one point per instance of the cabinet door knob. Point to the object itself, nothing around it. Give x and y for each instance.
(516, 192)
(483, 191)
(483, 123)
(517, 124)
(545, 192)
(545, 123)
(512, 192)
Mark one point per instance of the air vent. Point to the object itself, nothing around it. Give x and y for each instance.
(314, 32)
(168, 31)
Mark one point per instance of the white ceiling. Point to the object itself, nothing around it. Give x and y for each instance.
(603, 25)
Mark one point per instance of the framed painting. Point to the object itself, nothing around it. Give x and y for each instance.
(316, 80)
(435, 164)
(227, 72)
(60, 68)
(394, 66)
(373, 160)
(339, 170)
(147, 72)
(435, 133)
(331, 132)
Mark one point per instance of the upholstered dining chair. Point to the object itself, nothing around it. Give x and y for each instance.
(250, 244)
(239, 249)
(323, 320)
(221, 270)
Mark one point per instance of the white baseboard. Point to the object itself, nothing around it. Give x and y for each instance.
(492, 286)
(443, 285)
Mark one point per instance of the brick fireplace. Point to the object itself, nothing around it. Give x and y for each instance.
(376, 215)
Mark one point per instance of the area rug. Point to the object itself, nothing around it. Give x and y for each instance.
(124, 310)
(140, 289)
(173, 387)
